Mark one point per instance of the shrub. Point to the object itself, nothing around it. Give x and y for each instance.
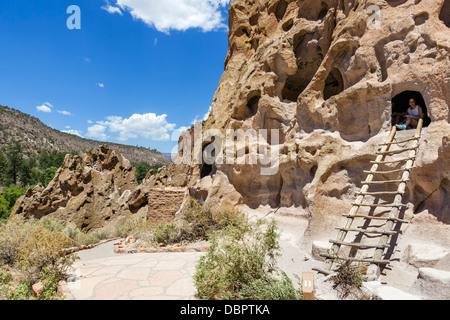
(12, 235)
(348, 279)
(34, 251)
(166, 233)
(43, 248)
(241, 264)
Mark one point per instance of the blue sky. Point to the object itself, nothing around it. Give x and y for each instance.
(136, 72)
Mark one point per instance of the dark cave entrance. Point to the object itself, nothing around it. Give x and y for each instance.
(445, 13)
(400, 104)
(334, 84)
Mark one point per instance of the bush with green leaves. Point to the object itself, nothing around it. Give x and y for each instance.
(142, 169)
(241, 265)
(8, 199)
(196, 224)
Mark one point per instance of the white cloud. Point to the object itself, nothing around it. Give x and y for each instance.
(64, 112)
(90, 121)
(46, 107)
(166, 15)
(148, 126)
(97, 131)
(177, 133)
(112, 9)
(74, 132)
(206, 116)
(101, 85)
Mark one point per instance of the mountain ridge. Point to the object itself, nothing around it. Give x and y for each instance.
(34, 136)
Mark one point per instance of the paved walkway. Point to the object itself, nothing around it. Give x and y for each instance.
(100, 274)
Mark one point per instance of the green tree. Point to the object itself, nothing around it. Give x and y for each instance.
(8, 199)
(45, 161)
(14, 158)
(26, 172)
(49, 174)
(142, 169)
(3, 166)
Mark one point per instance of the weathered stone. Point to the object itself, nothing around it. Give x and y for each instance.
(319, 247)
(432, 284)
(98, 189)
(424, 255)
(378, 291)
(85, 190)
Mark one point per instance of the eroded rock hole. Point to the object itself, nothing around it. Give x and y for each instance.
(309, 57)
(334, 84)
(421, 18)
(288, 25)
(206, 170)
(395, 3)
(250, 109)
(400, 105)
(280, 11)
(445, 13)
(323, 11)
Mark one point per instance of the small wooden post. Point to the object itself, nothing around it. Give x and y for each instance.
(308, 285)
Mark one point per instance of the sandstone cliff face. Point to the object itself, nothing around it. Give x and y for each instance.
(96, 189)
(325, 74)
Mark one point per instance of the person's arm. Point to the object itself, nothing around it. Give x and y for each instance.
(421, 114)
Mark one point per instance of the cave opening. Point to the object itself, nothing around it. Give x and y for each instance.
(400, 105)
(280, 10)
(249, 109)
(445, 13)
(334, 84)
(309, 58)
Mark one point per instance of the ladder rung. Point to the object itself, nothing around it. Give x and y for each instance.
(374, 218)
(360, 245)
(398, 142)
(380, 193)
(391, 233)
(386, 172)
(382, 182)
(325, 272)
(391, 205)
(393, 161)
(397, 151)
(329, 256)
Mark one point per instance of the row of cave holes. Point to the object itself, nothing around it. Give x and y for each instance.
(281, 8)
(334, 85)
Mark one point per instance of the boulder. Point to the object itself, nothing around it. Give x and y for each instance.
(424, 255)
(378, 291)
(432, 284)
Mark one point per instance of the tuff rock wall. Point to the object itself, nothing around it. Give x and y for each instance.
(324, 74)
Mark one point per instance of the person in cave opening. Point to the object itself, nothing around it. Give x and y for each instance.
(412, 116)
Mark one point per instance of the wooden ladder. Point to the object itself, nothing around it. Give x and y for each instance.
(387, 230)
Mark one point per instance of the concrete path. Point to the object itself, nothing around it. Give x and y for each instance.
(100, 274)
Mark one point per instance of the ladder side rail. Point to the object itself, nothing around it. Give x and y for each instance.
(354, 210)
(373, 272)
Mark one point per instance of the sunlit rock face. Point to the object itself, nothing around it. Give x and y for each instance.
(325, 74)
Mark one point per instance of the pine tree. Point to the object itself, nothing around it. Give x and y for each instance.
(3, 166)
(14, 158)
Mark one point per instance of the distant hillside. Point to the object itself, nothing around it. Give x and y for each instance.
(35, 136)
